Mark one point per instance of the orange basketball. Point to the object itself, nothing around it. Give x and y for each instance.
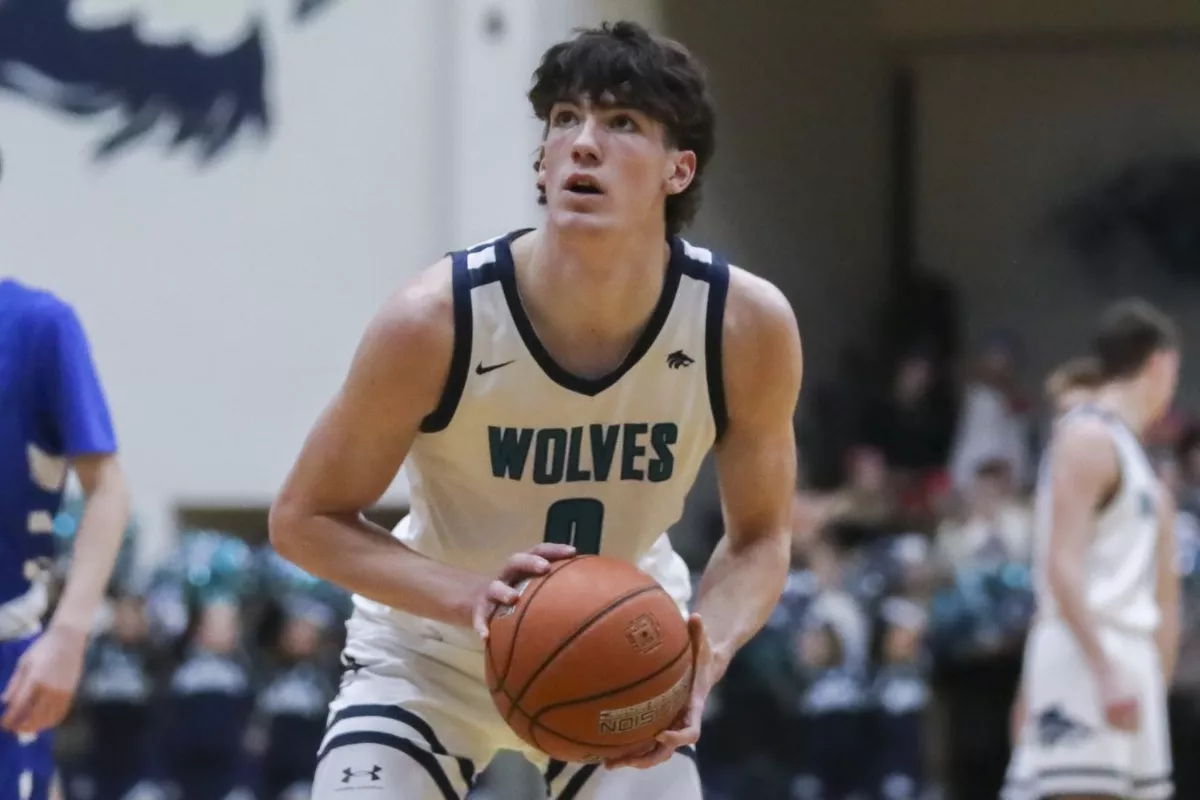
(592, 662)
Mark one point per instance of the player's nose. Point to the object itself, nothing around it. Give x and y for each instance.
(586, 147)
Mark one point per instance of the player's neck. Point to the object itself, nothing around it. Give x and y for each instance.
(1126, 402)
(591, 289)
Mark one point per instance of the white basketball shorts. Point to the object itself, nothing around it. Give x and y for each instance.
(1065, 746)
(422, 728)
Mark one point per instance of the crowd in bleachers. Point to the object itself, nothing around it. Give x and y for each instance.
(890, 667)
(887, 670)
(210, 679)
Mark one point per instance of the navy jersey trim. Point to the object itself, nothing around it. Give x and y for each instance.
(568, 380)
(484, 274)
(488, 272)
(714, 330)
(465, 766)
(424, 758)
(460, 360)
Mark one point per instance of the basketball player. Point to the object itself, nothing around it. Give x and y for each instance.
(53, 415)
(1092, 716)
(550, 392)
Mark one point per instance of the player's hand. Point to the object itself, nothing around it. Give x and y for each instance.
(686, 730)
(500, 590)
(41, 689)
(1120, 703)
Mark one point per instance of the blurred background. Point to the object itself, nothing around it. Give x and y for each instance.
(947, 192)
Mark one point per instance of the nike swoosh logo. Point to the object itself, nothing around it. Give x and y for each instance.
(480, 369)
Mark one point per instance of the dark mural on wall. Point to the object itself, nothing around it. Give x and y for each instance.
(205, 97)
(1148, 210)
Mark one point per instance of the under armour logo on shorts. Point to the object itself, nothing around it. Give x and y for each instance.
(372, 773)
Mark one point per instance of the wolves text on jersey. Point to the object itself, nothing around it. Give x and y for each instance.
(633, 451)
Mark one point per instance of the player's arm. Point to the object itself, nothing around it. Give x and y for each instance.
(354, 452)
(756, 467)
(97, 541)
(756, 473)
(1085, 472)
(1167, 588)
(40, 692)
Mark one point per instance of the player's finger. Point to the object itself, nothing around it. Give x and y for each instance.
(553, 552)
(1122, 716)
(500, 593)
(522, 565)
(699, 637)
(19, 676)
(21, 702)
(684, 731)
(655, 756)
(630, 759)
(48, 709)
(483, 615)
(673, 740)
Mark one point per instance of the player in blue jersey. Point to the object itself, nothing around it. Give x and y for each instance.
(53, 417)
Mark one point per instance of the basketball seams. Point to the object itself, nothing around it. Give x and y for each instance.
(534, 724)
(577, 700)
(512, 645)
(579, 631)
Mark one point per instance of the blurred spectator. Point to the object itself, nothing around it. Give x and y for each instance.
(292, 706)
(208, 706)
(979, 623)
(866, 506)
(1188, 451)
(115, 700)
(913, 425)
(1184, 698)
(830, 648)
(994, 421)
(835, 417)
(901, 696)
(995, 526)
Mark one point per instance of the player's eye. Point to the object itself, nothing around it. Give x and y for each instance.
(563, 117)
(625, 123)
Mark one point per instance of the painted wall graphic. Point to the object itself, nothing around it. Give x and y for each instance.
(200, 70)
(1148, 208)
(227, 191)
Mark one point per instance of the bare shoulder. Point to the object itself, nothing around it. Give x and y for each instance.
(410, 340)
(423, 308)
(1083, 454)
(756, 311)
(764, 361)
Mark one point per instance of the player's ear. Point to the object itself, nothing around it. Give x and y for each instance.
(679, 171)
(539, 166)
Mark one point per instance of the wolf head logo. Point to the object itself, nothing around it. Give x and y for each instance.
(195, 68)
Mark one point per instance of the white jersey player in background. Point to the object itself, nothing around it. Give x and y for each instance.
(551, 392)
(1091, 721)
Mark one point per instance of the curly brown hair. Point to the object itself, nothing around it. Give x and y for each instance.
(623, 64)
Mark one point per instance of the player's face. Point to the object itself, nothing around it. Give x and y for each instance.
(1164, 377)
(607, 167)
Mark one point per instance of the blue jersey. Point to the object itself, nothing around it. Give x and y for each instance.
(52, 408)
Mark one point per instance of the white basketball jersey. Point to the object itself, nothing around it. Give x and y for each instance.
(520, 451)
(1121, 564)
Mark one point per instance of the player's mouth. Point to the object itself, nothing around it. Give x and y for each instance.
(582, 185)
